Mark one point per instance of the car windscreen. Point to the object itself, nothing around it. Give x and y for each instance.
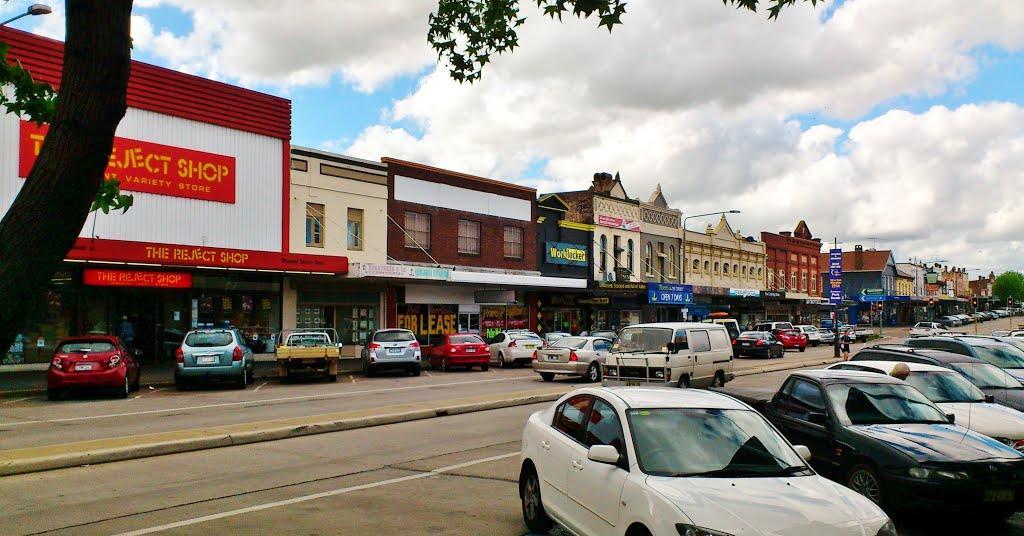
(987, 376)
(752, 335)
(574, 343)
(882, 403)
(85, 347)
(639, 340)
(1002, 355)
(783, 325)
(208, 339)
(308, 339)
(699, 442)
(394, 336)
(465, 339)
(944, 386)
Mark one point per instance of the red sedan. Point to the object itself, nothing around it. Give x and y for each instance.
(792, 339)
(459, 350)
(94, 362)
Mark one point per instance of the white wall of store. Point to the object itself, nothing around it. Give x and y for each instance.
(253, 222)
(464, 199)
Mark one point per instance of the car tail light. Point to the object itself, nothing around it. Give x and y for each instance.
(179, 355)
(372, 346)
(114, 361)
(57, 363)
(760, 342)
(573, 356)
(734, 342)
(512, 344)
(414, 344)
(535, 355)
(237, 354)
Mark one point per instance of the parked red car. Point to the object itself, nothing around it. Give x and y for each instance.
(792, 339)
(460, 350)
(94, 362)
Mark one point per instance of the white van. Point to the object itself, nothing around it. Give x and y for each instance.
(681, 354)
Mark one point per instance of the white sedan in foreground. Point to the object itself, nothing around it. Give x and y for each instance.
(654, 461)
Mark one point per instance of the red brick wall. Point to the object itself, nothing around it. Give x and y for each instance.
(444, 223)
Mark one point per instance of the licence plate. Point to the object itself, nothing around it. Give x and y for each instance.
(998, 495)
(632, 383)
(552, 358)
(207, 360)
(83, 366)
(396, 351)
(744, 344)
(470, 350)
(530, 346)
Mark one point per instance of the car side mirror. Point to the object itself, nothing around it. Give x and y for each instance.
(603, 454)
(803, 451)
(951, 417)
(671, 347)
(137, 353)
(990, 398)
(819, 419)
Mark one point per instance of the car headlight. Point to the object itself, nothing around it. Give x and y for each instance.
(692, 530)
(920, 472)
(611, 371)
(888, 529)
(952, 475)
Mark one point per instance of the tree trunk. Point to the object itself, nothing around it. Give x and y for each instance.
(53, 205)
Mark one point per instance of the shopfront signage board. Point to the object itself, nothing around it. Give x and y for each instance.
(665, 293)
(618, 223)
(773, 294)
(494, 296)
(152, 168)
(135, 278)
(563, 253)
(400, 271)
(744, 293)
(619, 285)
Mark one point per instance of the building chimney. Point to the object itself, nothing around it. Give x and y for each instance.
(858, 257)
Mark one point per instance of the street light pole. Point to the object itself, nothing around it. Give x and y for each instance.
(34, 9)
(685, 265)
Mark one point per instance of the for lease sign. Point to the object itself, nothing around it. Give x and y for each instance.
(152, 168)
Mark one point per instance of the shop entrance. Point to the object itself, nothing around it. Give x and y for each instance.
(154, 321)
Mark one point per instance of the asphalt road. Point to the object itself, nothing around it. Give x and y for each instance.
(35, 421)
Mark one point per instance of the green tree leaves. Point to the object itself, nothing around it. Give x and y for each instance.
(1009, 284)
(110, 198)
(32, 100)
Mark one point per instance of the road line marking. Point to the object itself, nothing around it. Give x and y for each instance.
(260, 386)
(427, 372)
(321, 495)
(17, 400)
(325, 396)
(136, 397)
(352, 378)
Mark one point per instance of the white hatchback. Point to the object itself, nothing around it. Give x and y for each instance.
(659, 461)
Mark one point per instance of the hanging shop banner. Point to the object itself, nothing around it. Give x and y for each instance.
(563, 253)
(744, 293)
(427, 320)
(618, 223)
(669, 294)
(151, 168)
(835, 276)
(135, 278)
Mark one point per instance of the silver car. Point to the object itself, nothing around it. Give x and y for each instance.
(576, 356)
(213, 354)
(390, 349)
(514, 347)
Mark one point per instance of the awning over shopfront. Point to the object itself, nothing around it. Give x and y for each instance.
(515, 280)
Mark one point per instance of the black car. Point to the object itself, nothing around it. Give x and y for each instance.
(1003, 355)
(992, 380)
(757, 344)
(882, 438)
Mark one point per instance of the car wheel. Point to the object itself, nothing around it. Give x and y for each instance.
(803, 348)
(415, 370)
(718, 380)
(594, 372)
(547, 376)
(52, 394)
(138, 380)
(368, 370)
(536, 518)
(501, 360)
(684, 382)
(444, 364)
(863, 479)
(485, 367)
(243, 381)
(122, 392)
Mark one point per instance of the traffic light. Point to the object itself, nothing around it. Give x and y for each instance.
(931, 302)
(974, 303)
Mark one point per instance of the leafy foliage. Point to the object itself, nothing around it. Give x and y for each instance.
(1009, 284)
(36, 101)
(467, 33)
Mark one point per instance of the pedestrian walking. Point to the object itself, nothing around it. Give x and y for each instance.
(846, 340)
(127, 333)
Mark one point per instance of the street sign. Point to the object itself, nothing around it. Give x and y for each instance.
(835, 276)
(872, 292)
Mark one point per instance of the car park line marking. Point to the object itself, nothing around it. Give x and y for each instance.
(321, 495)
(18, 400)
(136, 397)
(327, 396)
(260, 386)
(427, 372)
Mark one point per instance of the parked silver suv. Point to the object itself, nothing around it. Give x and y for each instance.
(390, 349)
(213, 354)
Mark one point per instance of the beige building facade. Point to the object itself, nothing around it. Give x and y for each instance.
(724, 258)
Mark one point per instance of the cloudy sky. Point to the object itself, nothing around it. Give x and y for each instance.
(887, 123)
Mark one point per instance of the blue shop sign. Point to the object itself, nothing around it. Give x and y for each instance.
(669, 294)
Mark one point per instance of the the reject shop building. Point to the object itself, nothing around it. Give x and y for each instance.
(206, 242)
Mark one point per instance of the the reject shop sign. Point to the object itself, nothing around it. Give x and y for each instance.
(86, 249)
(151, 168)
(136, 278)
(618, 223)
